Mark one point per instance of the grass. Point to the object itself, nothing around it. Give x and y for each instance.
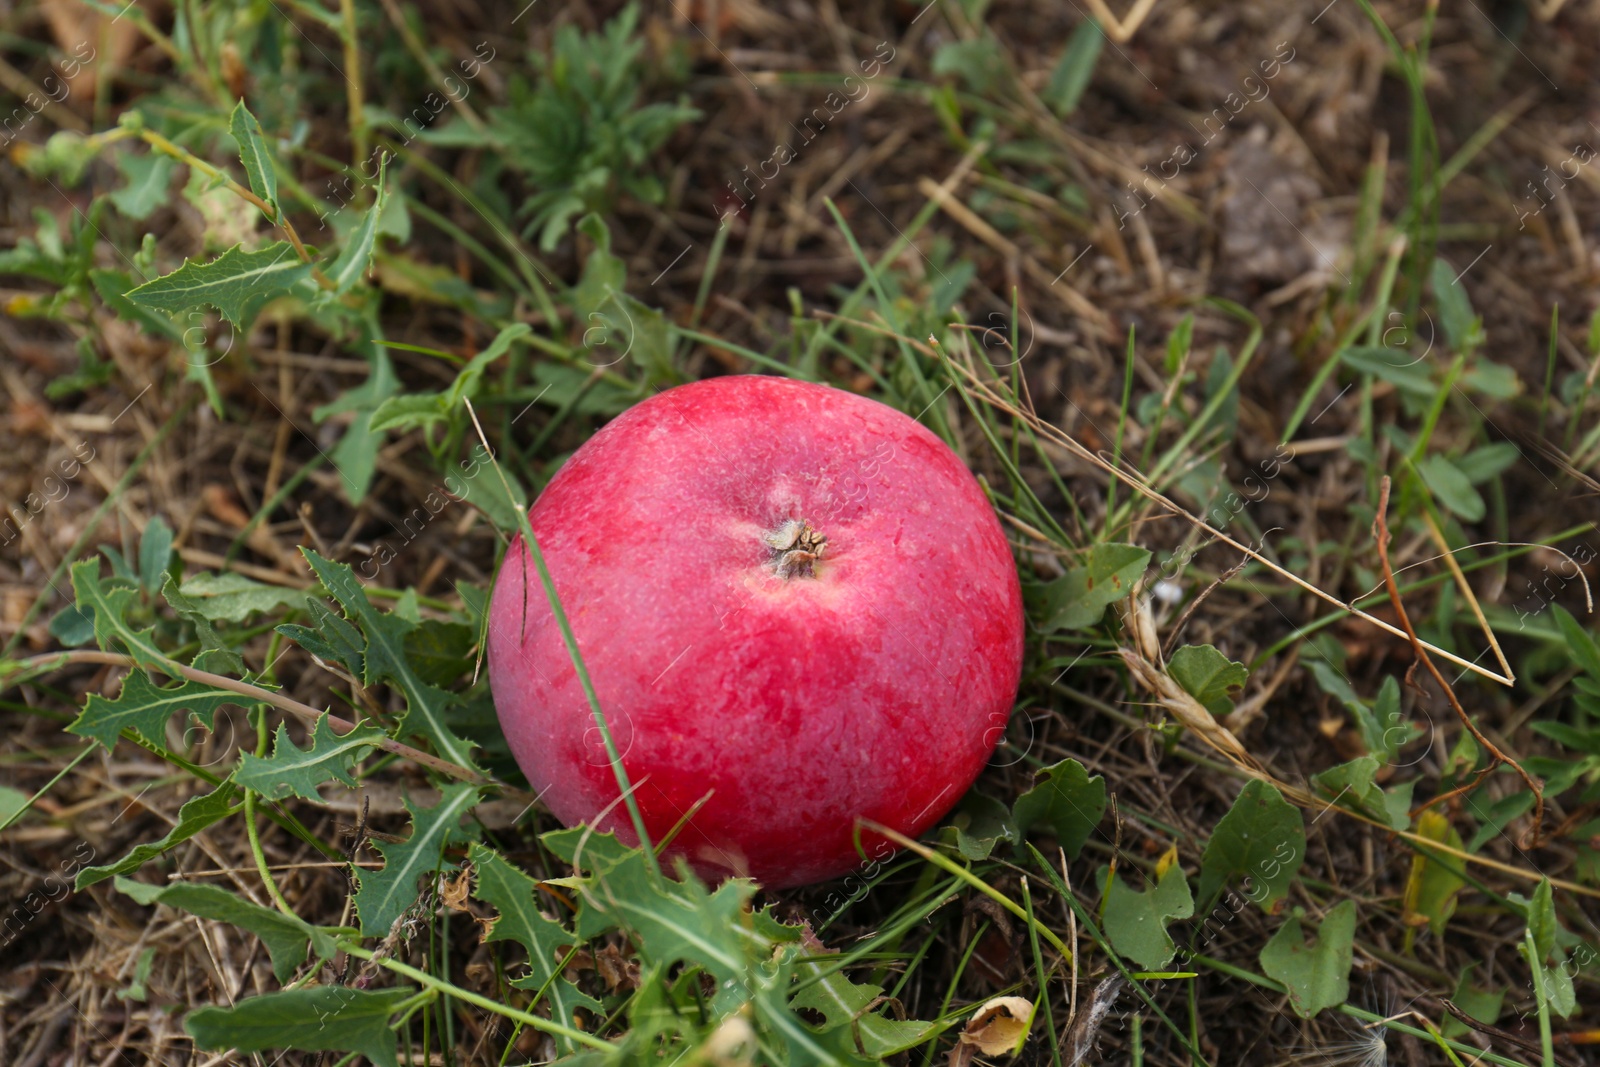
(1267, 438)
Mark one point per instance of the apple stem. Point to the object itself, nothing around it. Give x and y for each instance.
(796, 546)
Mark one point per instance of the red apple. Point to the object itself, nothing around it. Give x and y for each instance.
(797, 608)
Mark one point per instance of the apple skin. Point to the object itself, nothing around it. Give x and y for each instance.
(873, 682)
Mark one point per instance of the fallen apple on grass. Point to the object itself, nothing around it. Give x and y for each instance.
(797, 609)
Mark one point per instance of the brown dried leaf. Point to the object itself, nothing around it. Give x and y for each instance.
(998, 1026)
(454, 893)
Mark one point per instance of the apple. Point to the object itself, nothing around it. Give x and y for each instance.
(797, 609)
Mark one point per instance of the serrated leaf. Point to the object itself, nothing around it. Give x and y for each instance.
(253, 154)
(843, 1003)
(236, 283)
(515, 896)
(230, 597)
(214, 654)
(1208, 676)
(319, 1019)
(386, 894)
(386, 662)
(1453, 488)
(145, 707)
(1079, 598)
(199, 813)
(148, 176)
(327, 757)
(356, 254)
(108, 601)
(287, 937)
(329, 638)
(1433, 884)
(1136, 922)
(1263, 839)
(1317, 977)
(671, 921)
(1065, 800)
(112, 286)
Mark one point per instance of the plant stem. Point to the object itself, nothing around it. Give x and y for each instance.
(426, 979)
(277, 218)
(255, 847)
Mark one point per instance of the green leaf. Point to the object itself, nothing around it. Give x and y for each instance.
(287, 937)
(1485, 462)
(1075, 68)
(108, 601)
(199, 813)
(977, 825)
(253, 154)
(1381, 727)
(329, 638)
(1542, 921)
(424, 410)
(1455, 309)
(1317, 977)
(386, 661)
(1453, 488)
(515, 897)
(155, 554)
(385, 894)
(1136, 923)
(1208, 676)
(1579, 642)
(1500, 813)
(319, 1019)
(148, 177)
(1065, 800)
(1262, 838)
(355, 457)
(1352, 785)
(112, 287)
(439, 651)
(1397, 366)
(843, 1003)
(214, 654)
(230, 597)
(236, 283)
(1481, 1004)
(1432, 885)
(671, 921)
(11, 802)
(1079, 598)
(328, 756)
(356, 254)
(144, 707)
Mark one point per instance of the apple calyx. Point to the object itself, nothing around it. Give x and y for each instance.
(796, 546)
